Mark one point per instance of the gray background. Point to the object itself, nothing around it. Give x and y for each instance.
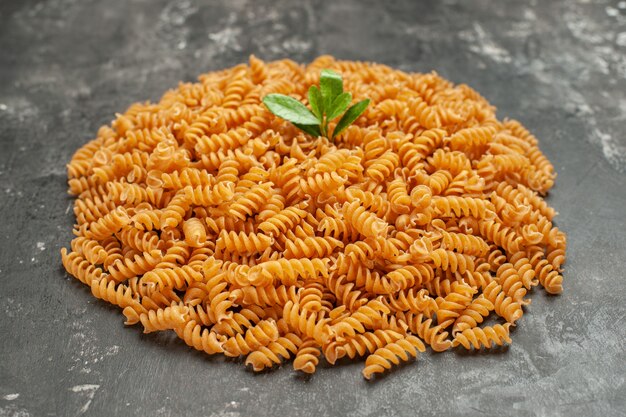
(67, 66)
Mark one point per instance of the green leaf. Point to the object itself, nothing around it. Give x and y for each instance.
(315, 100)
(313, 130)
(350, 116)
(338, 106)
(289, 109)
(331, 85)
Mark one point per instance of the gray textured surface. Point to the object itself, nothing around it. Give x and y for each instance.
(67, 66)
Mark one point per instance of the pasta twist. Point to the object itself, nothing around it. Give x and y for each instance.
(121, 270)
(367, 316)
(512, 281)
(251, 202)
(147, 220)
(466, 244)
(264, 296)
(287, 271)
(500, 235)
(409, 276)
(163, 319)
(107, 290)
(243, 243)
(383, 166)
(209, 195)
(415, 302)
(452, 261)
(187, 177)
(398, 196)
(321, 182)
(194, 232)
(450, 308)
(483, 337)
(284, 220)
(306, 359)
(139, 240)
(311, 247)
(432, 335)
(200, 339)
(367, 223)
(274, 353)
(461, 206)
(362, 344)
(383, 358)
(505, 306)
(345, 292)
(308, 325)
(473, 315)
(176, 277)
(94, 253)
(257, 336)
(549, 278)
(222, 141)
(111, 222)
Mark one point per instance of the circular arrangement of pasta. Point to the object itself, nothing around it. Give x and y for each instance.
(207, 215)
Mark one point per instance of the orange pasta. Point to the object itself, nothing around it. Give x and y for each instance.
(207, 215)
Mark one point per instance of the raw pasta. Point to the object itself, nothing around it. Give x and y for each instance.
(207, 215)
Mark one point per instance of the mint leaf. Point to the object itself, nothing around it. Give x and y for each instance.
(350, 116)
(338, 106)
(289, 109)
(315, 100)
(313, 130)
(331, 85)
(327, 103)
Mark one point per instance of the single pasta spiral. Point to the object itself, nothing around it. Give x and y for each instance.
(383, 358)
(477, 337)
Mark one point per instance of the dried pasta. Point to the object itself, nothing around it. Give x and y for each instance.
(207, 215)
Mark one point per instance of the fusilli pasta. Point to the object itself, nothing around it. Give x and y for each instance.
(207, 215)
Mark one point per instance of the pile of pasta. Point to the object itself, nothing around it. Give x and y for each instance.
(207, 215)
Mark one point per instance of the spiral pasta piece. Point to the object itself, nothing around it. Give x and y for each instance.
(451, 307)
(466, 244)
(107, 225)
(367, 316)
(307, 357)
(243, 243)
(251, 202)
(107, 290)
(311, 247)
(121, 270)
(209, 195)
(473, 315)
(461, 206)
(483, 337)
(504, 305)
(392, 354)
(255, 337)
(367, 223)
(163, 319)
(274, 353)
(94, 253)
(200, 339)
(308, 325)
(176, 277)
(287, 271)
(448, 260)
(434, 336)
(284, 220)
(362, 344)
